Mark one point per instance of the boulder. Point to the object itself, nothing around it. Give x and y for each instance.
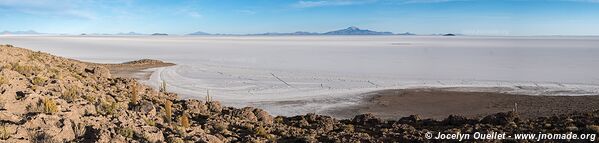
(366, 119)
(210, 139)
(152, 134)
(263, 116)
(215, 106)
(455, 120)
(500, 118)
(246, 113)
(195, 106)
(409, 119)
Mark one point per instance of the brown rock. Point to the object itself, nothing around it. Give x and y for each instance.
(195, 106)
(211, 139)
(66, 132)
(263, 116)
(98, 71)
(215, 106)
(152, 134)
(9, 117)
(148, 108)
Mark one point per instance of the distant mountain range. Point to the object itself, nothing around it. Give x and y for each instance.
(20, 32)
(159, 34)
(347, 31)
(356, 31)
(130, 33)
(294, 33)
(199, 33)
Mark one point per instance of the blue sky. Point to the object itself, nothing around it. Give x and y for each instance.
(475, 17)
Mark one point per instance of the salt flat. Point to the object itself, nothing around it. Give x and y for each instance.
(290, 75)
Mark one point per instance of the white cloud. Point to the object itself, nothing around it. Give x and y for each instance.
(246, 12)
(189, 12)
(194, 14)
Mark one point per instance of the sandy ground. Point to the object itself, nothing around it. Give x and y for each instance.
(440, 103)
(135, 69)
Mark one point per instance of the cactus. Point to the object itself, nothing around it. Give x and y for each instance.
(163, 86)
(168, 110)
(207, 95)
(184, 119)
(134, 94)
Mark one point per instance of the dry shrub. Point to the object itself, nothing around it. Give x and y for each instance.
(3, 80)
(56, 74)
(348, 128)
(36, 56)
(108, 108)
(219, 127)
(45, 105)
(261, 132)
(25, 70)
(149, 121)
(91, 98)
(50, 106)
(70, 95)
(38, 81)
(126, 132)
(4, 133)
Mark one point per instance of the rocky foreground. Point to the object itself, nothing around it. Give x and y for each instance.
(44, 98)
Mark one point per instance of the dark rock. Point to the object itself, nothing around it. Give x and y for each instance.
(409, 119)
(366, 119)
(500, 118)
(20, 95)
(455, 120)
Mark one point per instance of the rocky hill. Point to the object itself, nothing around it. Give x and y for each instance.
(45, 98)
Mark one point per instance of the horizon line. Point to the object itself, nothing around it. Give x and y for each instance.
(133, 33)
